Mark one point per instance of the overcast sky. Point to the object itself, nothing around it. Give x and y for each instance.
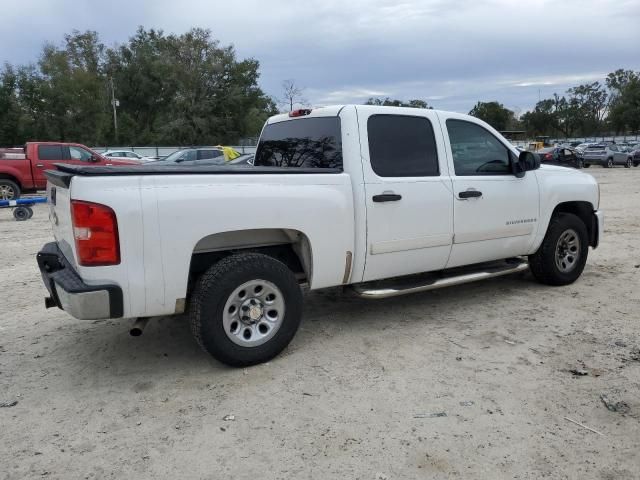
(451, 53)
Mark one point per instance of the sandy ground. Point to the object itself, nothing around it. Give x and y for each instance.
(469, 382)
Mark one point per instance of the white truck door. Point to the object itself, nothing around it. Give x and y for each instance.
(495, 212)
(408, 196)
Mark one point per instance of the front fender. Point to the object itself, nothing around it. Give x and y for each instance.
(566, 189)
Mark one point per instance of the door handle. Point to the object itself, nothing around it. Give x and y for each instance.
(469, 194)
(386, 197)
(39, 165)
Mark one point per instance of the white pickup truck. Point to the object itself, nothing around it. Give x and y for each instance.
(384, 200)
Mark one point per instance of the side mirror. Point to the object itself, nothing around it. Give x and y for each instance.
(526, 161)
(94, 159)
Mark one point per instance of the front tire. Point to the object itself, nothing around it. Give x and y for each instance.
(610, 163)
(628, 164)
(580, 163)
(246, 309)
(562, 256)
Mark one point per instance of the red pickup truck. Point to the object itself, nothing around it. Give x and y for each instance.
(22, 170)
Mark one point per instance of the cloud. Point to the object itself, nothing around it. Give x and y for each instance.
(450, 52)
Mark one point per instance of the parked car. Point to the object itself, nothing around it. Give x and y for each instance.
(563, 156)
(607, 155)
(194, 157)
(126, 154)
(635, 156)
(363, 197)
(24, 172)
(243, 160)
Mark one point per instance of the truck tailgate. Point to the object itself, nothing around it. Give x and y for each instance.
(59, 201)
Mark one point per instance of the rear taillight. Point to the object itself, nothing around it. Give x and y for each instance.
(548, 156)
(95, 230)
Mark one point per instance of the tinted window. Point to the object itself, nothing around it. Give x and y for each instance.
(205, 154)
(79, 154)
(50, 152)
(476, 151)
(189, 156)
(402, 146)
(304, 142)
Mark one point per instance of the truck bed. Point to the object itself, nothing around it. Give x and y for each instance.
(62, 176)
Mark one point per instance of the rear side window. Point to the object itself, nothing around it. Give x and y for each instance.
(304, 142)
(50, 152)
(402, 146)
(206, 154)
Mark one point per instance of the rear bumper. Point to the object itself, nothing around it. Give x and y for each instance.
(68, 292)
(598, 228)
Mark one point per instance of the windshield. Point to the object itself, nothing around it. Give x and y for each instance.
(174, 156)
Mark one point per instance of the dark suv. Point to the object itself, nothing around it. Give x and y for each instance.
(564, 156)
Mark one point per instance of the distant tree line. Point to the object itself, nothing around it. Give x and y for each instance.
(388, 102)
(585, 110)
(170, 89)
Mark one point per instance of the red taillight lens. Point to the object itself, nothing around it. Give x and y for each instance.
(548, 156)
(95, 230)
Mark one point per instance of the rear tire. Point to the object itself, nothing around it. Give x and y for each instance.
(246, 309)
(9, 190)
(562, 256)
(580, 163)
(628, 164)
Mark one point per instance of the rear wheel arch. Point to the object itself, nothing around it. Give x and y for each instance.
(291, 247)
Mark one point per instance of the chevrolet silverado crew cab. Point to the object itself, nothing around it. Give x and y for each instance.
(22, 170)
(382, 200)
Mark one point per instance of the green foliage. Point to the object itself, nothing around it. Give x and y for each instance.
(172, 89)
(624, 110)
(387, 102)
(495, 114)
(590, 109)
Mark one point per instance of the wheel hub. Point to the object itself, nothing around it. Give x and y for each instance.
(253, 313)
(6, 192)
(567, 251)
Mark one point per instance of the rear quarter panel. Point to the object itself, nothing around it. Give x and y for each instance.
(18, 169)
(162, 218)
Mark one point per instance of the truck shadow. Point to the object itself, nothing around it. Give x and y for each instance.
(168, 348)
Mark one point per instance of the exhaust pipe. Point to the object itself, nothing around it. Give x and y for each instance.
(138, 326)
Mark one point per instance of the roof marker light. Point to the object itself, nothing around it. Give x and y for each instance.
(300, 112)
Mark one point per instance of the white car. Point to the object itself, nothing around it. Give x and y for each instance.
(381, 200)
(127, 154)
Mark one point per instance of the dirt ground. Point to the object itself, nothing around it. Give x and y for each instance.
(468, 382)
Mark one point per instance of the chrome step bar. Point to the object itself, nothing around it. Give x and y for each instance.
(365, 290)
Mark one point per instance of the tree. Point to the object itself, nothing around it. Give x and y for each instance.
(588, 104)
(292, 94)
(624, 109)
(9, 107)
(495, 114)
(387, 102)
(173, 89)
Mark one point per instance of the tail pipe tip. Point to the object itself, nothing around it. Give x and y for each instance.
(138, 327)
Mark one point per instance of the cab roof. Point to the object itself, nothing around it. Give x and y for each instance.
(334, 110)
